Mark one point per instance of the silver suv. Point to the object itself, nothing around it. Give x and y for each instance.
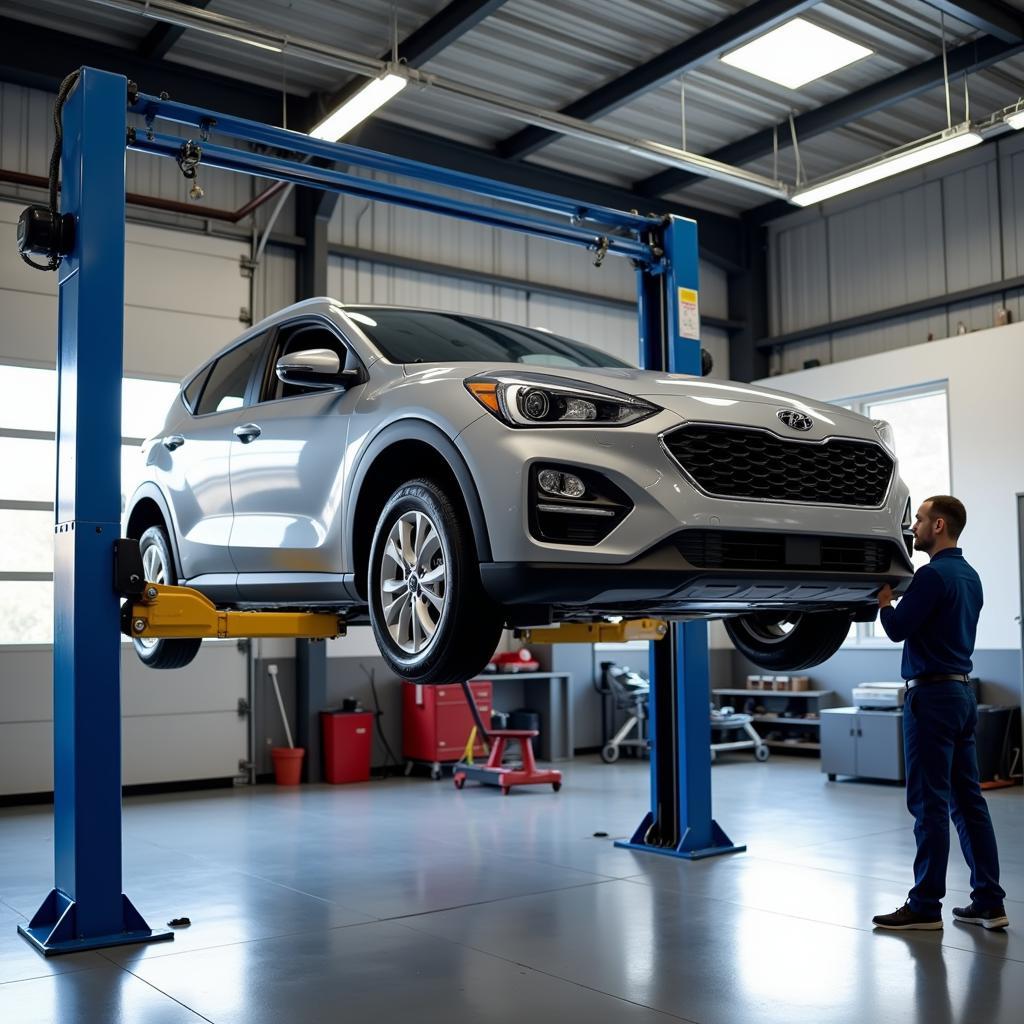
(443, 476)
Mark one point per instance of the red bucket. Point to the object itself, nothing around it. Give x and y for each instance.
(287, 765)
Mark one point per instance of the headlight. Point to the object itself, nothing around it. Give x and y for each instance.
(885, 434)
(537, 400)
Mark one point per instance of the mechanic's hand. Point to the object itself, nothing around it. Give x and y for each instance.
(885, 596)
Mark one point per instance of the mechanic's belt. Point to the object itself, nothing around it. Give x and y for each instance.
(936, 677)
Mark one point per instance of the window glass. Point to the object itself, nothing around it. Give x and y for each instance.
(26, 541)
(144, 405)
(26, 613)
(229, 378)
(922, 441)
(29, 469)
(28, 398)
(194, 387)
(298, 339)
(421, 336)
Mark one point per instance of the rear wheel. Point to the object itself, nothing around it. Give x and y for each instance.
(788, 642)
(431, 617)
(158, 567)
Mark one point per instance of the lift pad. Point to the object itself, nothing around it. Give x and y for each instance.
(596, 632)
(166, 611)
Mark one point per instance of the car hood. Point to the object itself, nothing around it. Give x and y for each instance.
(693, 398)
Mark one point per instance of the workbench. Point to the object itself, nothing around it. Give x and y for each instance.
(556, 734)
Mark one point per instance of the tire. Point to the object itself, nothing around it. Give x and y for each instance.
(556, 786)
(158, 563)
(811, 638)
(761, 753)
(459, 783)
(609, 753)
(447, 628)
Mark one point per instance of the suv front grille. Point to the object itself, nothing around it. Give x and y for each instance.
(757, 465)
(724, 549)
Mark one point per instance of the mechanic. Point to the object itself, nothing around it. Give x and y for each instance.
(938, 620)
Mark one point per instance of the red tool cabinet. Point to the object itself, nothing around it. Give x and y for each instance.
(436, 722)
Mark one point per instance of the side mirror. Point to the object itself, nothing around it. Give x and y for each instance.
(314, 368)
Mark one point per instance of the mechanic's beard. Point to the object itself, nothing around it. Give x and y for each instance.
(924, 545)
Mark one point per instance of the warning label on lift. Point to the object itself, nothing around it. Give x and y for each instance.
(689, 313)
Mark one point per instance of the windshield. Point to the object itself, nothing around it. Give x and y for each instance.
(421, 336)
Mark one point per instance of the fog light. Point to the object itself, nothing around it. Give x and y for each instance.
(564, 485)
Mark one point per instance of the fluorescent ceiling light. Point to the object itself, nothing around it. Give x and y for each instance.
(890, 164)
(359, 107)
(796, 53)
(1015, 120)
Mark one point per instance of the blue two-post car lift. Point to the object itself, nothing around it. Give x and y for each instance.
(86, 908)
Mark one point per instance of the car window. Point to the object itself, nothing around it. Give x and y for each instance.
(195, 386)
(298, 338)
(228, 380)
(422, 336)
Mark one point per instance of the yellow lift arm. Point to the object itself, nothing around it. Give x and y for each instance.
(166, 611)
(596, 632)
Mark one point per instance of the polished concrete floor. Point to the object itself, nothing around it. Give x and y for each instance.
(408, 901)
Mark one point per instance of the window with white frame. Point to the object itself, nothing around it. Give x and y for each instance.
(28, 422)
(920, 423)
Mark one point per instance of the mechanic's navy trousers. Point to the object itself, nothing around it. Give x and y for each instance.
(939, 720)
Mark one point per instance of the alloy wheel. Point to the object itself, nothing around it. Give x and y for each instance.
(413, 582)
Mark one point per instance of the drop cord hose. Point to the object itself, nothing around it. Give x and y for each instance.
(58, 144)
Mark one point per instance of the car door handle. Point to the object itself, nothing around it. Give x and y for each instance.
(247, 432)
(173, 441)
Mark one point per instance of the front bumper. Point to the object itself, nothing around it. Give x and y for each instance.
(664, 501)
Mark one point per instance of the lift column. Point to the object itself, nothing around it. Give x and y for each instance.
(86, 908)
(679, 823)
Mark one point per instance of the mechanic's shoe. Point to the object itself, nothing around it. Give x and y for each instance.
(906, 920)
(995, 917)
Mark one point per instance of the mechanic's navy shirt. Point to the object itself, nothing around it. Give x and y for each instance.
(937, 617)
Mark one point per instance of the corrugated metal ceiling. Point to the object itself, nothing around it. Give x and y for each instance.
(549, 54)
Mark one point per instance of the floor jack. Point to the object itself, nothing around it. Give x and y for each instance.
(494, 773)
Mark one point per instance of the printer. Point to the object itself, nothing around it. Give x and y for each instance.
(882, 696)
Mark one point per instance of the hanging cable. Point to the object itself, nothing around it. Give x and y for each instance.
(796, 151)
(377, 716)
(945, 70)
(39, 229)
(284, 84)
(682, 109)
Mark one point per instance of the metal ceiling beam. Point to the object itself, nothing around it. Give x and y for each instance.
(728, 33)
(162, 37)
(965, 59)
(39, 57)
(423, 44)
(990, 16)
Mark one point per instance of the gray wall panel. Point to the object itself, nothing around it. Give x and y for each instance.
(799, 297)
(970, 206)
(947, 227)
(868, 268)
(1011, 180)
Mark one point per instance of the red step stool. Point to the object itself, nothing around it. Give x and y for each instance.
(494, 773)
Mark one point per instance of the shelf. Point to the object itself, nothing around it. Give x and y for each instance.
(778, 744)
(775, 719)
(774, 693)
